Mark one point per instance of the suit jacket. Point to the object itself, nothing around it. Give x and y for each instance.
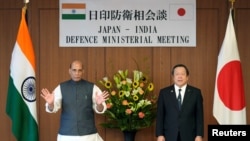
(188, 121)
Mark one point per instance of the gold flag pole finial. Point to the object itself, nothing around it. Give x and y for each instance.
(232, 3)
(26, 1)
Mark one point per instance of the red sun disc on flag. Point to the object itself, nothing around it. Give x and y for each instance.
(230, 86)
(181, 11)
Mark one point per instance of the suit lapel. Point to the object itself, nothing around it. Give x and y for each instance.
(173, 97)
(187, 96)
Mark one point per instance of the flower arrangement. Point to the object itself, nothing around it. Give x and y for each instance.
(131, 105)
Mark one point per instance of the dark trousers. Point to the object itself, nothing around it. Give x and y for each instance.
(179, 137)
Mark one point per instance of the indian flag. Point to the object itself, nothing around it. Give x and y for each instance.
(73, 11)
(21, 98)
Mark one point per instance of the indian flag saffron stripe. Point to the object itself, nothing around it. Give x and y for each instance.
(21, 98)
(73, 5)
(73, 11)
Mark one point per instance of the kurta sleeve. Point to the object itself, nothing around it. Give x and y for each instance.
(57, 100)
(99, 92)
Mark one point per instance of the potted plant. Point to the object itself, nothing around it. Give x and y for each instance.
(132, 104)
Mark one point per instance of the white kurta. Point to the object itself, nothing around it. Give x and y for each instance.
(57, 106)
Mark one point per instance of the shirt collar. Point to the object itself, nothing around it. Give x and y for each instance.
(183, 88)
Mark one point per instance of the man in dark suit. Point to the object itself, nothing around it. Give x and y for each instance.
(180, 109)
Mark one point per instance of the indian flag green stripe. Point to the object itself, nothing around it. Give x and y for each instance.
(73, 16)
(21, 116)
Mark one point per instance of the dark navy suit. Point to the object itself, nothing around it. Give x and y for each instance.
(188, 122)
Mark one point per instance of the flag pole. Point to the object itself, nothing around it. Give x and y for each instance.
(25, 4)
(232, 3)
(25, 9)
(232, 7)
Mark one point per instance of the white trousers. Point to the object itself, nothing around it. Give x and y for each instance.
(91, 137)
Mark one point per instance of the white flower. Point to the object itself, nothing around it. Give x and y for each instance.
(105, 79)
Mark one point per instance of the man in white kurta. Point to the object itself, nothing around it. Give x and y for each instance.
(78, 99)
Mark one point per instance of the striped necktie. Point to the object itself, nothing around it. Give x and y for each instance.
(179, 99)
